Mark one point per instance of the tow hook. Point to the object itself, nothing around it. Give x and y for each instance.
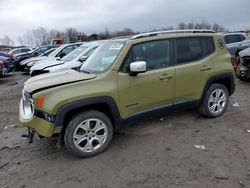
(30, 135)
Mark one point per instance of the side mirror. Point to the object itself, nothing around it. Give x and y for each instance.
(137, 67)
(83, 58)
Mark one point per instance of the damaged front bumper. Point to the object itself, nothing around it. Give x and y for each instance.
(30, 120)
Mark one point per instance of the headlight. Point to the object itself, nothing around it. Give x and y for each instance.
(27, 105)
(31, 63)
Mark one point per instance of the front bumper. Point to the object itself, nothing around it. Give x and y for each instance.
(41, 126)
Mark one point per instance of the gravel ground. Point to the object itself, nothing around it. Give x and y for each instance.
(155, 153)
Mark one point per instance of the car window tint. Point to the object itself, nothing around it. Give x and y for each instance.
(241, 37)
(234, 38)
(209, 46)
(90, 52)
(188, 49)
(156, 54)
(67, 50)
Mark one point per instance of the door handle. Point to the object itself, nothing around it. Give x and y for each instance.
(205, 68)
(166, 77)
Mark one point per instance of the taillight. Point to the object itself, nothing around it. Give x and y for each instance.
(1, 65)
(234, 63)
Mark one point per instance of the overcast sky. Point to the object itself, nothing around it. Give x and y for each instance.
(19, 16)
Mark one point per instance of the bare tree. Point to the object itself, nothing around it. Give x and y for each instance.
(72, 35)
(20, 41)
(6, 40)
(182, 25)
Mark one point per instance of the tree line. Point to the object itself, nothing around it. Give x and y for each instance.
(40, 36)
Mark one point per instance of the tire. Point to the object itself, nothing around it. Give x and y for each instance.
(82, 136)
(215, 102)
(244, 79)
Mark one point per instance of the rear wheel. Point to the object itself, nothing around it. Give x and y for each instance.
(215, 102)
(88, 134)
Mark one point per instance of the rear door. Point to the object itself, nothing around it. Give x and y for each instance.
(193, 67)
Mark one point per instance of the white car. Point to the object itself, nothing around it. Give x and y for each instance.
(58, 54)
(72, 61)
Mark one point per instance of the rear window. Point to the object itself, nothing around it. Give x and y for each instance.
(193, 49)
(234, 38)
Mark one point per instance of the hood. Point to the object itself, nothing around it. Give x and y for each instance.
(64, 66)
(44, 64)
(25, 62)
(47, 81)
(245, 52)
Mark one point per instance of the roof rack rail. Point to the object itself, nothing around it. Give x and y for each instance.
(122, 37)
(172, 31)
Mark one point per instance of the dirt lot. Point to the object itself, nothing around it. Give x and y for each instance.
(156, 153)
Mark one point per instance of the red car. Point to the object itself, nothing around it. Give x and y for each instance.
(2, 69)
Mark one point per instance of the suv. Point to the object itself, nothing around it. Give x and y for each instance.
(236, 41)
(129, 79)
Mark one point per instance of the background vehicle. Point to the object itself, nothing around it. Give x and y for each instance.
(8, 64)
(5, 55)
(59, 53)
(2, 69)
(71, 61)
(243, 70)
(127, 80)
(37, 52)
(19, 51)
(236, 41)
(57, 41)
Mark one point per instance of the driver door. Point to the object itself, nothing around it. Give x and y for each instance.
(152, 89)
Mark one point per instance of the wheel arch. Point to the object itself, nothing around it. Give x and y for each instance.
(105, 105)
(226, 79)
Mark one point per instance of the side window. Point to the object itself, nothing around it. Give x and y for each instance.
(66, 50)
(90, 52)
(188, 49)
(25, 50)
(234, 38)
(241, 37)
(155, 53)
(209, 46)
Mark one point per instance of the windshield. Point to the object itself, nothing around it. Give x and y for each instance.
(103, 57)
(74, 53)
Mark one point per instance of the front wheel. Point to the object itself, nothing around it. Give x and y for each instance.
(88, 134)
(215, 102)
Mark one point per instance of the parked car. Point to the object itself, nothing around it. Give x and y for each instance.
(43, 56)
(58, 54)
(19, 51)
(236, 41)
(243, 70)
(35, 53)
(8, 64)
(2, 69)
(71, 61)
(2, 54)
(128, 80)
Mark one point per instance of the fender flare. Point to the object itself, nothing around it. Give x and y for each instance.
(95, 101)
(214, 78)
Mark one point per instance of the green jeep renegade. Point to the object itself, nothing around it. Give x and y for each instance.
(129, 79)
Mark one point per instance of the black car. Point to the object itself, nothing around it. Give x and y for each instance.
(38, 51)
(243, 69)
